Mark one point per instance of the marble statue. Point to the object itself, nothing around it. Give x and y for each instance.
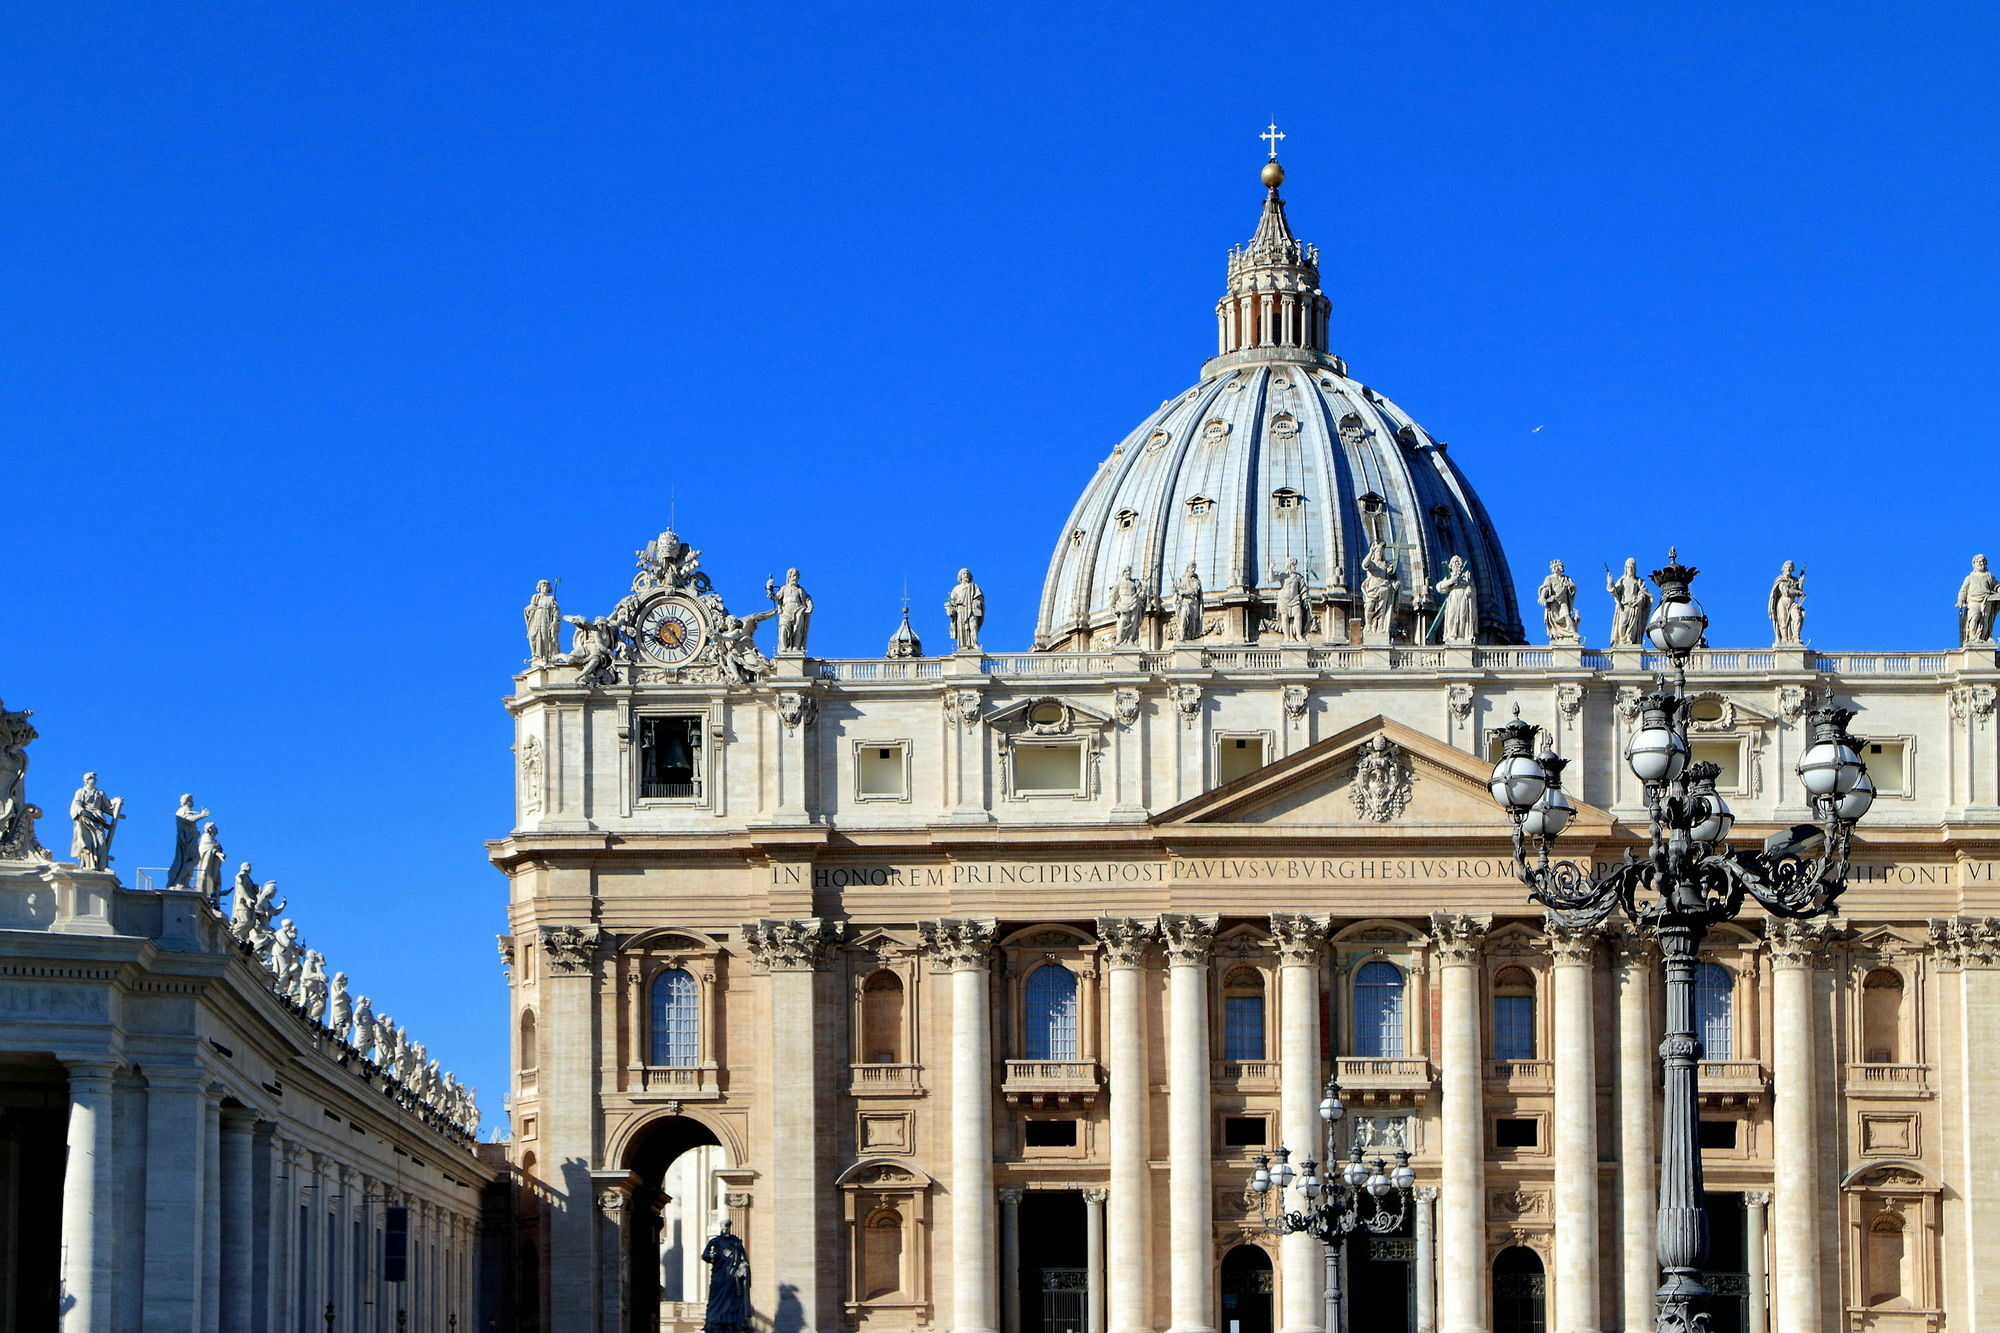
(1634, 604)
(1128, 606)
(312, 984)
(1378, 593)
(1294, 614)
(1978, 599)
(544, 619)
(244, 887)
(1787, 608)
(593, 649)
(284, 958)
(1558, 598)
(242, 914)
(364, 1026)
(728, 1283)
(339, 1009)
(1189, 622)
(259, 932)
(736, 646)
(187, 837)
(967, 608)
(795, 608)
(1459, 616)
(17, 816)
(670, 563)
(208, 856)
(95, 817)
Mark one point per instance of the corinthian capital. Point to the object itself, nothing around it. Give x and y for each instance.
(1966, 941)
(1799, 943)
(1570, 944)
(1298, 936)
(1124, 939)
(957, 944)
(1458, 936)
(570, 949)
(1188, 939)
(796, 945)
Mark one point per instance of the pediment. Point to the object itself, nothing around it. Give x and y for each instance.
(1378, 777)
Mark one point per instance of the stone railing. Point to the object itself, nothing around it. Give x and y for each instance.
(680, 1080)
(884, 1078)
(1246, 1074)
(1365, 1073)
(1886, 1080)
(1522, 1075)
(1729, 1082)
(1040, 1081)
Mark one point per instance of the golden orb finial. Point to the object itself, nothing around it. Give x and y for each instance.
(1274, 175)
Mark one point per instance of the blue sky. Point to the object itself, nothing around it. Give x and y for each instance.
(330, 328)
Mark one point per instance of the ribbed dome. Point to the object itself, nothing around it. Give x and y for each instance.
(1275, 456)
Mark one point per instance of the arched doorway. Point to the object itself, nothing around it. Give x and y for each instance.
(1520, 1292)
(1246, 1291)
(676, 1207)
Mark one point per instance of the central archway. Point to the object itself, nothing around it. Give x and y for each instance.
(676, 1205)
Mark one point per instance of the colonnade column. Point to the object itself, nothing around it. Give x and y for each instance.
(211, 1208)
(962, 948)
(1756, 1311)
(1461, 1225)
(1190, 1191)
(1129, 1243)
(1010, 1257)
(176, 1104)
(88, 1216)
(239, 1237)
(1638, 1182)
(1093, 1258)
(1298, 938)
(1576, 1285)
(1426, 1242)
(1795, 948)
(792, 952)
(613, 1207)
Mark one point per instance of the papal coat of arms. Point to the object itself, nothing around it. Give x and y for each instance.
(1382, 778)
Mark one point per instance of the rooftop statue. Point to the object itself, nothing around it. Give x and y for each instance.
(1459, 616)
(208, 856)
(738, 656)
(1978, 598)
(94, 817)
(593, 649)
(187, 837)
(17, 816)
(1189, 622)
(1635, 603)
(1128, 606)
(1558, 598)
(1787, 608)
(364, 1026)
(966, 605)
(544, 619)
(1294, 614)
(794, 605)
(244, 887)
(670, 564)
(339, 1009)
(1378, 593)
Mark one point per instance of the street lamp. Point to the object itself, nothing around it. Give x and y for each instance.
(1368, 1195)
(1689, 879)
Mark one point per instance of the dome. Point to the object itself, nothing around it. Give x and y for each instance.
(1275, 456)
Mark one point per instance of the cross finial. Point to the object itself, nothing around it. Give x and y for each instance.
(1271, 136)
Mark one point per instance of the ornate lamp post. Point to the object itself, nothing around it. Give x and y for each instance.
(1689, 879)
(1332, 1208)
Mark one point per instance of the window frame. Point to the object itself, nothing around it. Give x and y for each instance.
(1353, 1016)
(707, 749)
(858, 752)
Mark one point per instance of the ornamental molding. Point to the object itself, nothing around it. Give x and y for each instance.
(1799, 943)
(1458, 698)
(1517, 1203)
(1626, 704)
(1966, 941)
(1296, 699)
(1125, 706)
(1187, 701)
(958, 944)
(1124, 939)
(1457, 936)
(1792, 702)
(1569, 944)
(1569, 699)
(570, 949)
(1189, 939)
(531, 775)
(1972, 703)
(797, 709)
(1298, 936)
(961, 706)
(795, 945)
(1380, 788)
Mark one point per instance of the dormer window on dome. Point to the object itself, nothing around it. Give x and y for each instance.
(1125, 518)
(1199, 505)
(1285, 500)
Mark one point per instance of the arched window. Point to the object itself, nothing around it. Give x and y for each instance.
(881, 1254)
(1887, 1258)
(1714, 1011)
(530, 1057)
(882, 1019)
(676, 1014)
(1513, 1015)
(1520, 1292)
(1882, 1017)
(1050, 1011)
(1378, 1010)
(1243, 1015)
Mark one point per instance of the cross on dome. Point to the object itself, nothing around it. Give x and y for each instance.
(1272, 135)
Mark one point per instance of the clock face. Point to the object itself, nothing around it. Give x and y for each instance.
(672, 631)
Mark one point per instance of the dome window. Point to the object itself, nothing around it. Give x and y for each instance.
(1353, 430)
(1285, 500)
(1124, 518)
(1076, 536)
(1284, 426)
(1156, 441)
(1216, 431)
(1199, 505)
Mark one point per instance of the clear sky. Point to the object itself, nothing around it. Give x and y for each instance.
(329, 328)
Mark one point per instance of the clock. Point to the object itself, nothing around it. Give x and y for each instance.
(672, 631)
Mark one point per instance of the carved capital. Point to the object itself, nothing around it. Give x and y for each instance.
(1011, 1196)
(1799, 943)
(1458, 698)
(797, 709)
(1570, 945)
(1187, 701)
(1096, 1195)
(1569, 698)
(1792, 702)
(1125, 706)
(1296, 698)
(962, 706)
(1966, 941)
(1188, 938)
(961, 944)
(1459, 936)
(1426, 1193)
(1972, 702)
(1757, 1198)
(797, 945)
(1634, 949)
(1298, 936)
(506, 943)
(570, 949)
(1124, 939)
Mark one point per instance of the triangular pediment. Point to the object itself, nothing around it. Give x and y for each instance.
(1379, 777)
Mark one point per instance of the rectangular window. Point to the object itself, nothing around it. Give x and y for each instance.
(1048, 1133)
(1236, 756)
(1726, 755)
(1053, 769)
(1887, 766)
(1513, 1027)
(1718, 1134)
(669, 757)
(1243, 1027)
(1513, 1132)
(1245, 1131)
(879, 774)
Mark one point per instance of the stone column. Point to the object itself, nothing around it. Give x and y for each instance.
(89, 1216)
(792, 952)
(1129, 1259)
(613, 1203)
(176, 1105)
(961, 948)
(568, 1037)
(1426, 1244)
(239, 1237)
(1093, 1252)
(1756, 1311)
(1575, 1129)
(1010, 1257)
(1968, 950)
(1190, 1191)
(211, 1209)
(1638, 1173)
(1795, 948)
(1303, 1268)
(1461, 1223)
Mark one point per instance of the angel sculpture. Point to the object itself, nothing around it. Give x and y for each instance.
(736, 641)
(593, 649)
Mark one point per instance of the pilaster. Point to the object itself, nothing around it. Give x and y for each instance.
(568, 1083)
(1459, 940)
(1796, 949)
